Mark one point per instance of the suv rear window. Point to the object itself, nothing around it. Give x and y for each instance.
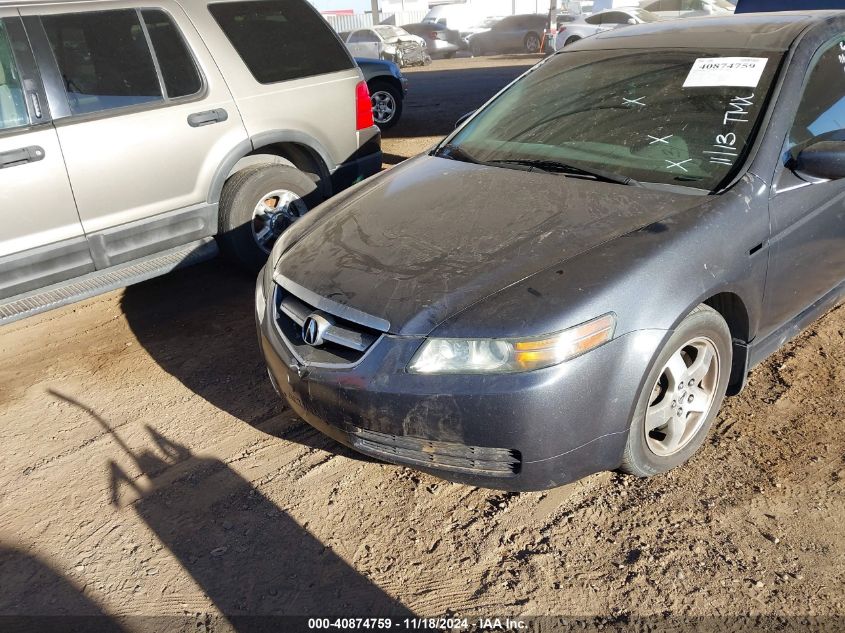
(104, 59)
(280, 40)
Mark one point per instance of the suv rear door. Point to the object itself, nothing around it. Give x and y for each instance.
(41, 237)
(144, 119)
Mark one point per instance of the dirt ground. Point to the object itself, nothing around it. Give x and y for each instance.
(147, 468)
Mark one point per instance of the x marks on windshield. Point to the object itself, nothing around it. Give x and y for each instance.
(679, 164)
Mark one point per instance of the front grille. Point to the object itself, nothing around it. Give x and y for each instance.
(459, 458)
(345, 342)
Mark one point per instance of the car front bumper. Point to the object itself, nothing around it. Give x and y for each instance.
(527, 431)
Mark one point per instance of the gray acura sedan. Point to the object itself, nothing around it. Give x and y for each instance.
(576, 277)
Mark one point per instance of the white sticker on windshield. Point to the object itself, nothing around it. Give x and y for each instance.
(711, 72)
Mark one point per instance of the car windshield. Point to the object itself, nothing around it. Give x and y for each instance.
(390, 32)
(661, 117)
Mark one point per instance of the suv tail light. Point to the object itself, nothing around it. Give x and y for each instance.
(363, 107)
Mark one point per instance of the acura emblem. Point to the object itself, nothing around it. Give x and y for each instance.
(314, 328)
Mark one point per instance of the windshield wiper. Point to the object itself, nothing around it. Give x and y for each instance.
(456, 152)
(563, 168)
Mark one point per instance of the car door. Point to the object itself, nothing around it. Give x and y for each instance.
(41, 237)
(807, 257)
(365, 43)
(144, 119)
(501, 33)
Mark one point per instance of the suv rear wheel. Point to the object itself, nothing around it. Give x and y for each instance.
(257, 205)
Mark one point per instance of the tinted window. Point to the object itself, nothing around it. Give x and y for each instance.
(104, 59)
(281, 39)
(593, 19)
(615, 17)
(178, 70)
(822, 108)
(12, 104)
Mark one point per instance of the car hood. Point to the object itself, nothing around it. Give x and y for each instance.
(429, 238)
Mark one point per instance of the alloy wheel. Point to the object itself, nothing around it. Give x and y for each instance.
(682, 397)
(274, 212)
(384, 106)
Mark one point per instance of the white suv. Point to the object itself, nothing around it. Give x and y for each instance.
(132, 134)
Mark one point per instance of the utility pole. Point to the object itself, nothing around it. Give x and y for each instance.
(375, 12)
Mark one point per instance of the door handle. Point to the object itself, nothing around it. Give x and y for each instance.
(15, 157)
(198, 119)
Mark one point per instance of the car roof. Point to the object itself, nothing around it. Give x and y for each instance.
(756, 31)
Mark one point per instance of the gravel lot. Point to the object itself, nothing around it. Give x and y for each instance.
(149, 469)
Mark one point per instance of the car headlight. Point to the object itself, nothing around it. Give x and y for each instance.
(500, 356)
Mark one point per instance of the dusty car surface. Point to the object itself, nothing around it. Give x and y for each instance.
(575, 286)
(152, 128)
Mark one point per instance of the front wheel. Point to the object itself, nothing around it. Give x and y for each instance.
(256, 205)
(681, 396)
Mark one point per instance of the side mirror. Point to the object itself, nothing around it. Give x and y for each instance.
(463, 118)
(823, 160)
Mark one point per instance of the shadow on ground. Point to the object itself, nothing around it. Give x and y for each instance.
(198, 324)
(246, 554)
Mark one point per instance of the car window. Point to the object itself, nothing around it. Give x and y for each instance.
(178, 69)
(280, 40)
(363, 36)
(692, 5)
(822, 106)
(594, 19)
(12, 103)
(615, 17)
(104, 59)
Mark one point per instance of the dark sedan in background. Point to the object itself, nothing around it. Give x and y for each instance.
(575, 286)
(440, 41)
(514, 33)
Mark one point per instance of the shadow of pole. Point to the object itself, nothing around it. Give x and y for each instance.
(248, 555)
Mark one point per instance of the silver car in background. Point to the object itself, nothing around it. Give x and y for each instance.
(672, 9)
(608, 20)
(392, 43)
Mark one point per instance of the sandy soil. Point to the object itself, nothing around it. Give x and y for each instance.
(148, 468)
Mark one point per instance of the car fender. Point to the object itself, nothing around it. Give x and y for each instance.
(246, 147)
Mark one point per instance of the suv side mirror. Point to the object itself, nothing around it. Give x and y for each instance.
(822, 160)
(463, 118)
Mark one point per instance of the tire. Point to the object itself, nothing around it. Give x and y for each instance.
(387, 103)
(532, 43)
(242, 236)
(648, 453)
(571, 40)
